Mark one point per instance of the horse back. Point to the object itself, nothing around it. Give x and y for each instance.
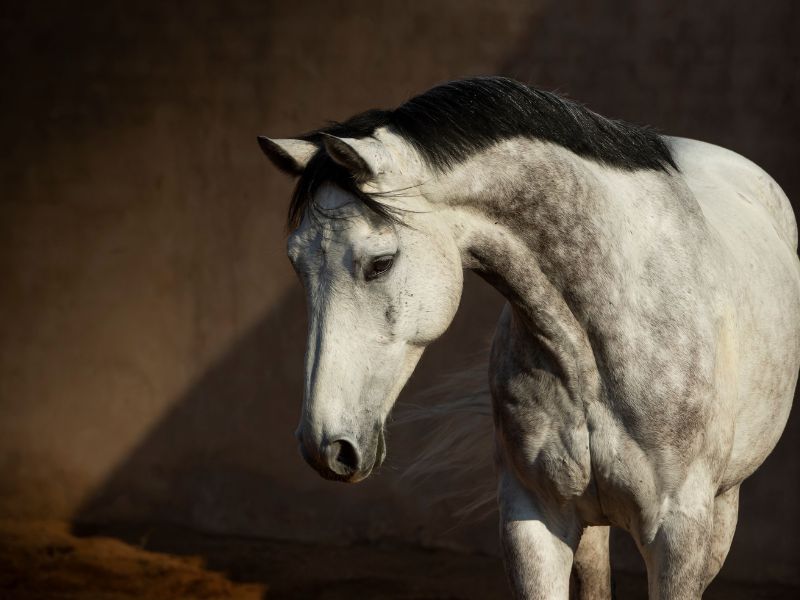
(707, 167)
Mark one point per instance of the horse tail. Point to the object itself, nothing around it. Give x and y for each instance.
(454, 461)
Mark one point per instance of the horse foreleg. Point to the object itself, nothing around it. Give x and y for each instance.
(538, 544)
(677, 556)
(591, 571)
(726, 513)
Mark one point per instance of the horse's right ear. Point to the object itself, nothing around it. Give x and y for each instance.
(290, 156)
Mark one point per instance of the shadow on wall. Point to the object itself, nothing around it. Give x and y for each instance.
(202, 464)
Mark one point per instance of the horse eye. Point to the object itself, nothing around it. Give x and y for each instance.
(379, 266)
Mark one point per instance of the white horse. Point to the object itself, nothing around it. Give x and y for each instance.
(645, 362)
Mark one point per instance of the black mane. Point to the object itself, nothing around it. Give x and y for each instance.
(450, 122)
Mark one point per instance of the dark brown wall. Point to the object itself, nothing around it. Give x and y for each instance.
(151, 332)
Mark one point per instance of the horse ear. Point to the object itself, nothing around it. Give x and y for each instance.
(290, 156)
(357, 156)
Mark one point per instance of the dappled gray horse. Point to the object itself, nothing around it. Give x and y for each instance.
(645, 362)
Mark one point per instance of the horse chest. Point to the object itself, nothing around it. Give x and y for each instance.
(563, 453)
(541, 431)
(562, 448)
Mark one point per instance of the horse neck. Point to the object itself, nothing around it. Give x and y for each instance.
(539, 224)
(526, 215)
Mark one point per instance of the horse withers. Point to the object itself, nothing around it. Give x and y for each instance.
(645, 362)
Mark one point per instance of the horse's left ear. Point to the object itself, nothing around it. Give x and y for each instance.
(363, 158)
(290, 156)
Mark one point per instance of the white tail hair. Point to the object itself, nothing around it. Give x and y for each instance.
(457, 450)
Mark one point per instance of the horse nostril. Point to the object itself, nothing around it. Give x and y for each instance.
(342, 457)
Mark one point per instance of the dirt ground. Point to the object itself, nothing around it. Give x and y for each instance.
(47, 560)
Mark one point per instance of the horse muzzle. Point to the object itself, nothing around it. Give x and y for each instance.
(342, 458)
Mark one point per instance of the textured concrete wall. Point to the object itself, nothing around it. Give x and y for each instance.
(151, 332)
